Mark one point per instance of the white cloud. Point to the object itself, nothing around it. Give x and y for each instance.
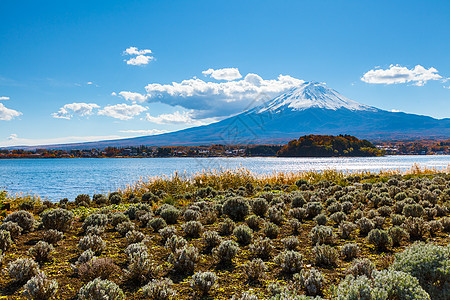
(80, 109)
(7, 114)
(139, 60)
(212, 99)
(174, 118)
(4, 98)
(122, 111)
(141, 57)
(397, 74)
(89, 83)
(113, 94)
(145, 132)
(223, 74)
(14, 140)
(135, 51)
(133, 97)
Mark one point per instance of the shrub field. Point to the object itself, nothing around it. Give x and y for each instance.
(234, 235)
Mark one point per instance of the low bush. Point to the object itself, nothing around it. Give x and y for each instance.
(140, 268)
(170, 215)
(417, 228)
(397, 235)
(93, 242)
(103, 268)
(271, 230)
(22, 269)
(243, 234)
(23, 218)
(365, 225)
(166, 233)
(99, 289)
(159, 289)
(311, 281)
(184, 260)
(313, 209)
(39, 287)
(289, 261)
(226, 227)
(191, 215)
(325, 256)
(5, 240)
(253, 222)
(95, 220)
(83, 200)
(226, 251)
(321, 219)
(261, 247)
(255, 269)
(117, 218)
(41, 251)
(290, 243)
(134, 236)
(237, 208)
(192, 229)
(211, 239)
(295, 226)
(346, 230)
(349, 251)
(298, 213)
(175, 242)
(14, 229)
(139, 249)
(124, 227)
(275, 215)
(428, 263)
(53, 236)
(379, 238)
(361, 267)
(202, 282)
(157, 224)
(260, 206)
(322, 235)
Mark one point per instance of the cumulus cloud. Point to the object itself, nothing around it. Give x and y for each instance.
(136, 51)
(177, 117)
(4, 98)
(141, 57)
(133, 97)
(122, 111)
(223, 74)
(69, 110)
(7, 114)
(212, 99)
(145, 131)
(397, 74)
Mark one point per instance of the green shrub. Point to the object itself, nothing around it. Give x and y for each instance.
(39, 287)
(117, 218)
(159, 289)
(298, 213)
(365, 225)
(254, 269)
(157, 224)
(59, 219)
(428, 263)
(14, 229)
(322, 235)
(100, 199)
(191, 215)
(136, 249)
(397, 235)
(271, 230)
(275, 215)
(83, 200)
(149, 197)
(325, 256)
(53, 236)
(175, 242)
(253, 222)
(98, 289)
(23, 218)
(140, 268)
(103, 268)
(260, 206)
(313, 209)
(321, 219)
(134, 236)
(170, 215)
(349, 251)
(361, 267)
(379, 238)
(166, 233)
(243, 234)
(93, 242)
(417, 228)
(95, 220)
(192, 228)
(184, 260)
(237, 208)
(115, 198)
(211, 239)
(22, 269)
(311, 281)
(124, 227)
(226, 251)
(290, 243)
(5, 240)
(226, 227)
(202, 282)
(346, 230)
(289, 261)
(41, 251)
(413, 210)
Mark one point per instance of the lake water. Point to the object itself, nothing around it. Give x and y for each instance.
(58, 178)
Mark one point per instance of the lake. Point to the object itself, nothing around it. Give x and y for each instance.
(58, 178)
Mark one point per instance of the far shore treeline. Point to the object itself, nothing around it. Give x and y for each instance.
(329, 145)
(308, 145)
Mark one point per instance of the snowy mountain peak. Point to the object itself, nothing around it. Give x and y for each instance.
(312, 95)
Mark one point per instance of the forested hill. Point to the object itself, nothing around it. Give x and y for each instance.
(329, 145)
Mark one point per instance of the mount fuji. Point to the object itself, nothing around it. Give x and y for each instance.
(311, 108)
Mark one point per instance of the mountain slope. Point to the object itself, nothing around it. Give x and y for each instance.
(311, 108)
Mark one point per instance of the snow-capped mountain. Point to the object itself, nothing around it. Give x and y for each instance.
(312, 95)
(311, 108)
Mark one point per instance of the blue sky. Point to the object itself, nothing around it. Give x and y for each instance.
(66, 74)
